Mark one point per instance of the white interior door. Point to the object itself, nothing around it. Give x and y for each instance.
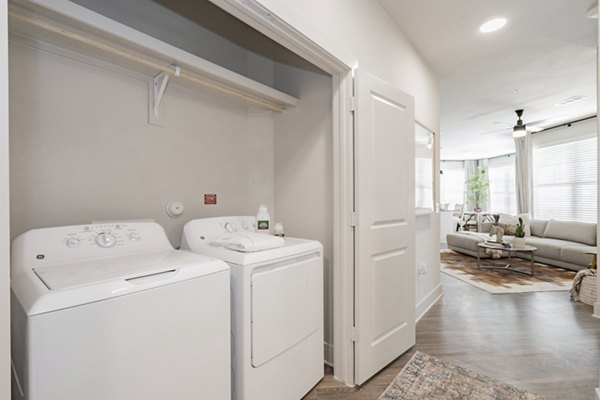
(384, 193)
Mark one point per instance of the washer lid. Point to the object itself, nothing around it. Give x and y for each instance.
(124, 268)
(293, 247)
(60, 286)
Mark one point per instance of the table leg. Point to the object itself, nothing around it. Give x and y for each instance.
(532, 264)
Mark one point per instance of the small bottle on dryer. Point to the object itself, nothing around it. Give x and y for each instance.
(263, 220)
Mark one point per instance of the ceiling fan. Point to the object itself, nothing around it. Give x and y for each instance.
(520, 129)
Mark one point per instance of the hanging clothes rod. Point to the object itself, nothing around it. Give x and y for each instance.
(167, 69)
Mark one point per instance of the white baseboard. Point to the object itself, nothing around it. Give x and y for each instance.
(428, 301)
(328, 351)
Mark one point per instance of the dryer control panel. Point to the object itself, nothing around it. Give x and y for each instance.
(202, 231)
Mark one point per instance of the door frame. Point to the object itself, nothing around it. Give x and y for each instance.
(263, 20)
(5, 368)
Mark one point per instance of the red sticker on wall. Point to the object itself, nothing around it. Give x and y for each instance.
(210, 199)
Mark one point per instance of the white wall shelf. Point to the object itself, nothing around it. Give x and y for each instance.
(70, 26)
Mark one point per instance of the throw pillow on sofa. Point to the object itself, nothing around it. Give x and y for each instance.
(512, 220)
(509, 229)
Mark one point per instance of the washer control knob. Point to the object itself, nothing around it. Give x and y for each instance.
(73, 242)
(134, 237)
(106, 240)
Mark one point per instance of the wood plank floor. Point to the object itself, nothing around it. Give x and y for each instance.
(537, 341)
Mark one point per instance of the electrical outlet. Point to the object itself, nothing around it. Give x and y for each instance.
(422, 269)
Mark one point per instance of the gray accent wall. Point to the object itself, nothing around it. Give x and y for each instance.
(81, 148)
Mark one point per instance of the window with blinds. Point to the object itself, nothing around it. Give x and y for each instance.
(503, 190)
(452, 182)
(564, 181)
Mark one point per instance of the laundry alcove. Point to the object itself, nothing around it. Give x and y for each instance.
(252, 122)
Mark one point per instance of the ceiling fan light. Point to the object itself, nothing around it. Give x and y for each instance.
(519, 131)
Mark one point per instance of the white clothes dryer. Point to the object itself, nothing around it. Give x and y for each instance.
(112, 311)
(277, 310)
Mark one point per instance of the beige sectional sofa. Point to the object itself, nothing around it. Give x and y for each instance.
(560, 243)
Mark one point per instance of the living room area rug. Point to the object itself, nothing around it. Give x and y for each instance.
(498, 281)
(427, 377)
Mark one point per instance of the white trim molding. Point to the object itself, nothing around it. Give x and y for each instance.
(429, 301)
(5, 375)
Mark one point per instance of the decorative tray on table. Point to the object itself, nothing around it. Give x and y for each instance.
(503, 245)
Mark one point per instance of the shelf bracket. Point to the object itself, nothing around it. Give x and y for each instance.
(157, 90)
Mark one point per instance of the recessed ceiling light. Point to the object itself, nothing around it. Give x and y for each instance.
(517, 91)
(492, 25)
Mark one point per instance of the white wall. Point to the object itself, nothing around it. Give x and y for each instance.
(362, 34)
(4, 212)
(81, 148)
(597, 304)
(304, 171)
(427, 259)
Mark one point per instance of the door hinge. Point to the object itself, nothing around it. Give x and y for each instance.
(352, 103)
(353, 219)
(353, 334)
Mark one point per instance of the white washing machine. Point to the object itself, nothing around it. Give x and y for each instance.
(277, 310)
(113, 312)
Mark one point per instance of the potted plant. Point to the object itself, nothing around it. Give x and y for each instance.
(519, 240)
(477, 188)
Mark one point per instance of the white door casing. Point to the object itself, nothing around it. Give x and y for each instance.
(384, 193)
(4, 210)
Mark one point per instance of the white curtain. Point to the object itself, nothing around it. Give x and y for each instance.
(523, 174)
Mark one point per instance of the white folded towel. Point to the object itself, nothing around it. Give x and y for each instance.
(249, 241)
(222, 240)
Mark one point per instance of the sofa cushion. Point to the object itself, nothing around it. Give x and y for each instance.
(576, 255)
(548, 248)
(465, 240)
(538, 226)
(581, 232)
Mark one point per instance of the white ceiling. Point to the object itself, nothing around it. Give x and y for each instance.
(547, 51)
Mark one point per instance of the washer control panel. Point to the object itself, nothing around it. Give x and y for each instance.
(103, 236)
(75, 243)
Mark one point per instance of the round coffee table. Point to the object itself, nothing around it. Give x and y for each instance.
(510, 250)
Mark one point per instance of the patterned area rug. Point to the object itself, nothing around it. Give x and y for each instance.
(546, 278)
(426, 377)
